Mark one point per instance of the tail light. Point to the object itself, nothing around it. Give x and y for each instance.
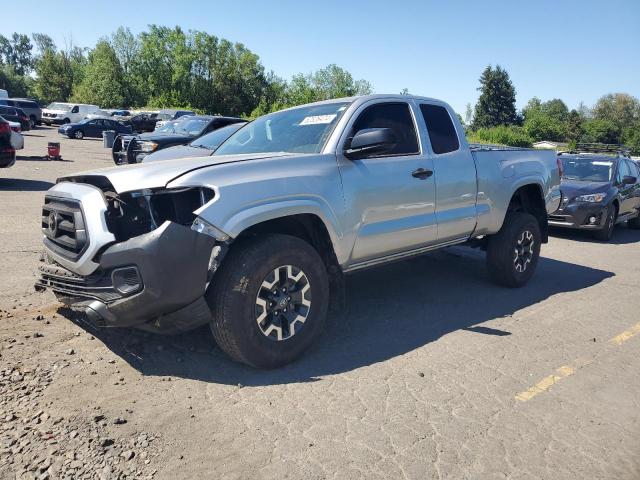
(560, 167)
(5, 127)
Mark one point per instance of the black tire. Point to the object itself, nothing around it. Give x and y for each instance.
(32, 121)
(506, 266)
(605, 234)
(78, 134)
(233, 298)
(65, 121)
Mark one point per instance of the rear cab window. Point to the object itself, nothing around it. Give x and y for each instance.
(398, 118)
(442, 132)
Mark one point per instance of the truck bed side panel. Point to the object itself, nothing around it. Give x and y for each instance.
(503, 171)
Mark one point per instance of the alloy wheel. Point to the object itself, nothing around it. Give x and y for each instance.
(283, 303)
(523, 252)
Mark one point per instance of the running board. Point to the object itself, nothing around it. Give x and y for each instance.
(402, 255)
(628, 216)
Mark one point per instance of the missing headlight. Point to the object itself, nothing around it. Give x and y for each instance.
(135, 213)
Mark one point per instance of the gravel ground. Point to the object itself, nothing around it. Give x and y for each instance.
(433, 373)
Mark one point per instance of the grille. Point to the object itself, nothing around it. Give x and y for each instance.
(64, 227)
(68, 285)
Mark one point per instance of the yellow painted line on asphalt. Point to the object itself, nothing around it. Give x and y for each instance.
(546, 383)
(626, 335)
(568, 370)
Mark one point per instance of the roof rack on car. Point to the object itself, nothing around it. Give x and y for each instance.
(600, 148)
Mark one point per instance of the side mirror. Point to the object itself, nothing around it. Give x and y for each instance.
(629, 180)
(370, 141)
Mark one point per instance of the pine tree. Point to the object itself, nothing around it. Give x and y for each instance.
(497, 102)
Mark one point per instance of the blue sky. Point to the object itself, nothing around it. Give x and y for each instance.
(574, 50)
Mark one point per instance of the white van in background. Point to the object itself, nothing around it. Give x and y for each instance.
(4, 93)
(59, 112)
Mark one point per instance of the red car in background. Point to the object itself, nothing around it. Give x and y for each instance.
(7, 152)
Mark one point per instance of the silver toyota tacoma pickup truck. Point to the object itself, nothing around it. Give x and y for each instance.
(255, 240)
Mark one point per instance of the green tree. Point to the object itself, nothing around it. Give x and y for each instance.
(620, 108)
(43, 42)
(597, 130)
(16, 85)
(16, 52)
(103, 80)
(497, 102)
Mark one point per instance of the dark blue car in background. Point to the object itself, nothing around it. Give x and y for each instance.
(92, 128)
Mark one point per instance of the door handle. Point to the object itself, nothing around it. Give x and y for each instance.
(422, 173)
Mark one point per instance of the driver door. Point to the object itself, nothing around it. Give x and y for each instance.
(390, 198)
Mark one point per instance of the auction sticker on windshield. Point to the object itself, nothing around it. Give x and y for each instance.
(318, 119)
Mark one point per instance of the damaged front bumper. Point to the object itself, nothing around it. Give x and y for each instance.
(154, 281)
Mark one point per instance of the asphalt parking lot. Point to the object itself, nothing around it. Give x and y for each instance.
(433, 373)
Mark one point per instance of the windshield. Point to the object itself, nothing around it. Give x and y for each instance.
(299, 130)
(164, 116)
(587, 169)
(185, 126)
(214, 139)
(167, 127)
(59, 106)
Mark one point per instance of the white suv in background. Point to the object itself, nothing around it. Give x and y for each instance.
(59, 112)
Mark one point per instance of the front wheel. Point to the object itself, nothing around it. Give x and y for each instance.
(512, 253)
(606, 233)
(269, 300)
(78, 134)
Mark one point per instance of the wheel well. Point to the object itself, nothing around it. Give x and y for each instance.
(307, 227)
(311, 229)
(529, 199)
(616, 204)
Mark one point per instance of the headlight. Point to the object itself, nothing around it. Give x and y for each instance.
(147, 146)
(202, 226)
(592, 198)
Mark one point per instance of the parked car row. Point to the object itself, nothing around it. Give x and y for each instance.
(24, 107)
(92, 128)
(134, 148)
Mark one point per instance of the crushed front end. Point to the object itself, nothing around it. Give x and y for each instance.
(133, 259)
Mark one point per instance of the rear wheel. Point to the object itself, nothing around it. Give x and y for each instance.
(269, 300)
(32, 121)
(606, 233)
(512, 253)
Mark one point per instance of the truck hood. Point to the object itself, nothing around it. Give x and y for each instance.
(157, 174)
(180, 151)
(165, 137)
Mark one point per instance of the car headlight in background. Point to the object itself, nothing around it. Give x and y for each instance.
(147, 147)
(591, 198)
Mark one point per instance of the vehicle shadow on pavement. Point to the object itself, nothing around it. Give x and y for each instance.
(622, 235)
(392, 310)
(40, 158)
(23, 185)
